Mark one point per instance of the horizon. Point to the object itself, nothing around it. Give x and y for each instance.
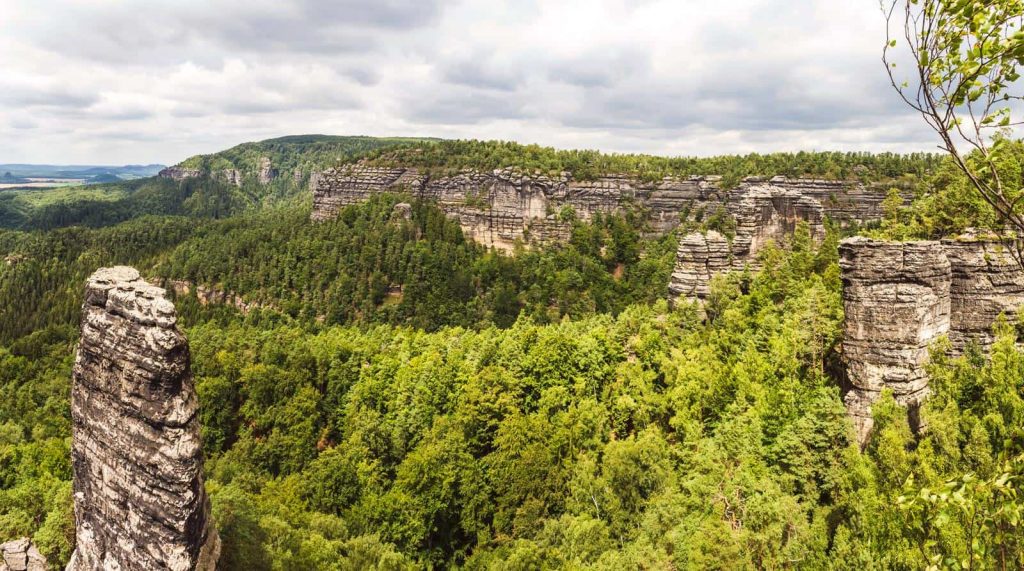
(108, 84)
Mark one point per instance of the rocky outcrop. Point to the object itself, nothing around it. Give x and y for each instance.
(138, 481)
(765, 213)
(211, 295)
(266, 173)
(21, 555)
(699, 258)
(897, 303)
(762, 214)
(179, 174)
(986, 282)
(500, 207)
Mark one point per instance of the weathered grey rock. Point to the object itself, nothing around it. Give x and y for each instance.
(266, 172)
(699, 258)
(986, 282)
(402, 211)
(21, 555)
(897, 303)
(497, 208)
(179, 174)
(763, 214)
(138, 482)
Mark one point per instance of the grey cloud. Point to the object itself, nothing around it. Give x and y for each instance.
(600, 68)
(464, 107)
(483, 73)
(45, 96)
(179, 31)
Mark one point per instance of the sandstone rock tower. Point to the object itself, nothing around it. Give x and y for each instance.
(138, 481)
(896, 299)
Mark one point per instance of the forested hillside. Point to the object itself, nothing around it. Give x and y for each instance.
(394, 395)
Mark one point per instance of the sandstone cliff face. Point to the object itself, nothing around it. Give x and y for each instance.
(986, 282)
(763, 213)
(900, 297)
(896, 299)
(499, 207)
(138, 483)
(699, 258)
(178, 174)
(21, 555)
(266, 172)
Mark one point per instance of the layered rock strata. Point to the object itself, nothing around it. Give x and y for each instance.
(763, 214)
(138, 482)
(499, 207)
(897, 303)
(700, 257)
(986, 282)
(21, 555)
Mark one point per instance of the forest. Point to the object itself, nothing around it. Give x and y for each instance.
(395, 396)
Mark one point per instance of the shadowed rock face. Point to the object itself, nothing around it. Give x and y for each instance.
(896, 299)
(138, 483)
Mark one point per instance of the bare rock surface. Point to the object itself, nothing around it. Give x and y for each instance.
(699, 258)
(897, 303)
(21, 555)
(138, 483)
(986, 282)
(762, 214)
(499, 207)
(266, 172)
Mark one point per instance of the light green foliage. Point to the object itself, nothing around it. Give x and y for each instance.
(964, 80)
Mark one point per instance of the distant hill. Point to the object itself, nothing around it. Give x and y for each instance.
(16, 173)
(289, 155)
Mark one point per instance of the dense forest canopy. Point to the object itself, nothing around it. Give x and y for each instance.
(303, 153)
(393, 395)
(451, 156)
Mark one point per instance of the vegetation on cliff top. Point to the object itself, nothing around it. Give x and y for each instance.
(451, 156)
(303, 153)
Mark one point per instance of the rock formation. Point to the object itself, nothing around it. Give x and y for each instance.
(699, 258)
(138, 482)
(762, 214)
(900, 297)
(21, 555)
(896, 299)
(986, 282)
(178, 174)
(497, 208)
(266, 173)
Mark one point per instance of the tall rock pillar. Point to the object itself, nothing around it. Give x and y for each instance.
(897, 302)
(138, 480)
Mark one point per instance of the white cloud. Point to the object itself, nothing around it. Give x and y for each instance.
(105, 81)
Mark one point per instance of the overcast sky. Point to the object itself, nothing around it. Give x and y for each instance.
(114, 81)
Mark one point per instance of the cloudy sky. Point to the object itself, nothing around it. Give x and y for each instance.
(116, 81)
